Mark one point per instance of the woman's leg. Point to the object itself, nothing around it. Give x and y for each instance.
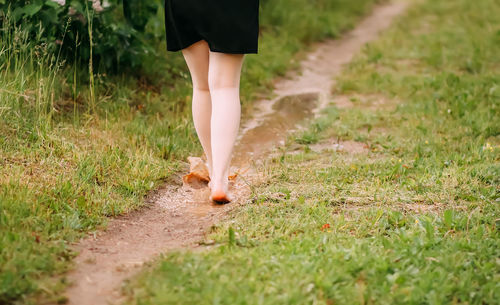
(224, 83)
(197, 59)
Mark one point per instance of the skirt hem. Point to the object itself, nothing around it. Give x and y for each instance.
(212, 49)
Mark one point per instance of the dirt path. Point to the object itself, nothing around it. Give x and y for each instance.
(177, 216)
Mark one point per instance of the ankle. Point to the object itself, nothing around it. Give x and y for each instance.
(219, 183)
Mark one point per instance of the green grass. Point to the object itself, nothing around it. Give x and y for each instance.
(412, 218)
(73, 153)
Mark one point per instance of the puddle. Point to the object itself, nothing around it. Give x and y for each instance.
(287, 113)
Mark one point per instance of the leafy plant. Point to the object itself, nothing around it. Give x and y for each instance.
(113, 33)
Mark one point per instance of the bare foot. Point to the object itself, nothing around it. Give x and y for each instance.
(220, 196)
(219, 190)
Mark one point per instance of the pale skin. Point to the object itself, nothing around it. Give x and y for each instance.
(216, 110)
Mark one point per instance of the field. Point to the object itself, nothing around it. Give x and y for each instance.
(391, 197)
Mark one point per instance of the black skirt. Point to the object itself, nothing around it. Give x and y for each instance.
(228, 26)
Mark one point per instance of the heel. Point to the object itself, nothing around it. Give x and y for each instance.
(220, 197)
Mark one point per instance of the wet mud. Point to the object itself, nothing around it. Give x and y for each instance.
(286, 113)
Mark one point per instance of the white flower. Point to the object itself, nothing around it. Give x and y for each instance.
(96, 5)
(60, 2)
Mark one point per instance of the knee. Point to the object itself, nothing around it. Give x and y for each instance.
(218, 82)
(201, 86)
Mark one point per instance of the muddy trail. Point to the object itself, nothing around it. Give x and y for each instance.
(177, 216)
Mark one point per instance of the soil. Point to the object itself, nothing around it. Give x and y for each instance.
(178, 216)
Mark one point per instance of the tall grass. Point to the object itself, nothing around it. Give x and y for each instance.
(28, 80)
